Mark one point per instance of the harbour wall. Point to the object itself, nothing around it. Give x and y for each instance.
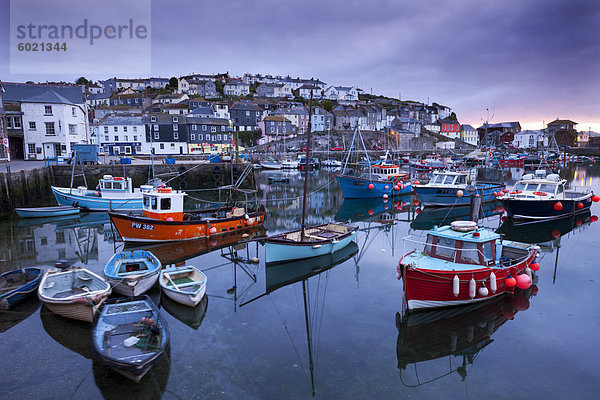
(31, 188)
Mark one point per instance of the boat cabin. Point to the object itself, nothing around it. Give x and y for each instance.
(448, 179)
(113, 184)
(163, 203)
(464, 243)
(532, 187)
(387, 171)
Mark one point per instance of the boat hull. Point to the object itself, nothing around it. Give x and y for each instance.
(446, 196)
(180, 295)
(508, 163)
(96, 203)
(11, 298)
(428, 289)
(277, 252)
(544, 209)
(78, 310)
(44, 212)
(142, 229)
(358, 188)
(133, 287)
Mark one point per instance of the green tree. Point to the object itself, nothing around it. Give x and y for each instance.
(82, 81)
(219, 85)
(173, 83)
(327, 105)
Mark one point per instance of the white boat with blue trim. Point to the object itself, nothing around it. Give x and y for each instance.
(113, 193)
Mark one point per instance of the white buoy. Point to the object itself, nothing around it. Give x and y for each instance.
(254, 260)
(245, 235)
(493, 284)
(528, 272)
(472, 288)
(385, 196)
(382, 250)
(483, 291)
(246, 216)
(455, 286)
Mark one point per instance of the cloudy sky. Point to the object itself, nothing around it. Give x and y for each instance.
(525, 60)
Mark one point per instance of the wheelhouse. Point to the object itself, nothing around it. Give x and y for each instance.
(478, 246)
(163, 203)
(448, 178)
(110, 183)
(530, 187)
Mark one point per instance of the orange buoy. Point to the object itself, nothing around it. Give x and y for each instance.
(371, 186)
(370, 212)
(579, 205)
(558, 206)
(510, 281)
(595, 198)
(534, 266)
(593, 218)
(459, 193)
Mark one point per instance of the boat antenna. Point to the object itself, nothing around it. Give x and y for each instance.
(307, 160)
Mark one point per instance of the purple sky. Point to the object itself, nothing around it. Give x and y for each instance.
(524, 60)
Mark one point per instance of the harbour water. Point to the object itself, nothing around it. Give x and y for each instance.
(327, 328)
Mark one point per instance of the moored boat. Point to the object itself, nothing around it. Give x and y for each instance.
(313, 241)
(164, 220)
(44, 212)
(463, 264)
(379, 181)
(130, 336)
(132, 273)
(185, 284)
(270, 164)
(289, 164)
(113, 193)
(537, 198)
(75, 292)
(17, 285)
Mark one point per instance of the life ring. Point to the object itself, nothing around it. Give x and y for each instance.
(540, 193)
(235, 177)
(182, 184)
(463, 226)
(164, 190)
(216, 169)
(217, 177)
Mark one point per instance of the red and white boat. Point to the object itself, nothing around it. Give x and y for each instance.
(163, 219)
(463, 264)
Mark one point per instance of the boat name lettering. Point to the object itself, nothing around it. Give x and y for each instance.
(138, 225)
(359, 183)
(445, 191)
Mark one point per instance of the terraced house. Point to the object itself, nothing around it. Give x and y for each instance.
(118, 135)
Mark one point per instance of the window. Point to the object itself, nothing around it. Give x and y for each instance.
(258, 113)
(203, 127)
(138, 149)
(247, 113)
(223, 129)
(207, 136)
(135, 138)
(73, 111)
(135, 128)
(47, 110)
(272, 129)
(469, 253)
(192, 136)
(175, 127)
(153, 119)
(124, 129)
(156, 135)
(219, 138)
(125, 138)
(146, 201)
(9, 123)
(172, 145)
(213, 128)
(61, 253)
(200, 136)
(162, 146)
(176, 135)
(31, 148)
(165, 204)
(116, 128)
(60, 237)
(194, 127)
(156, 127)
(17, 122)
(50, 128)
(32, 125)
(116, 138)
(44, 241)
(175, 119)
(106, 129)
(154, 203)
(72, 129)
(445, 247)
(488, 250)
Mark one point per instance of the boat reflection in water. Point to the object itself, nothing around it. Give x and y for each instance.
(430, 217)
(441, 342)
(284, 274)
(191, 316)
(18, 313)
(355, 210)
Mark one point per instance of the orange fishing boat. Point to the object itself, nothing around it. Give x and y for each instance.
(163, 219)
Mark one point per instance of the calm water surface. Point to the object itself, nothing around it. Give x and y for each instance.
(327, 328)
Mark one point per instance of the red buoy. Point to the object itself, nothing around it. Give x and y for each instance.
(595, 198)
(416, 202)
(371, 186)
(418, 211)
(555, 233)
(510, 281)
(579, 206)
(593, 218)
(558, 206)
(521, 303)
(534, 266)
(523, 281)
(506, 190)
(416, 183)
(370, 212)
(503, 218)
(577, 222)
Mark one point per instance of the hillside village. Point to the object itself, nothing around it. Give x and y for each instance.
(201, 114)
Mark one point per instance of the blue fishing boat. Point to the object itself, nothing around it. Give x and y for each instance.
(132, 273)
(113, 193)
(44, 212)
(452, 188)
(16, 285)
(130, 336)
(381, 180)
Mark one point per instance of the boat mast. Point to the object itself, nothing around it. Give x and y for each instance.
(307, 162)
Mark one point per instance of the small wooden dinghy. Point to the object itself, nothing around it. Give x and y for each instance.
(16, 285)
(39, 212)
(132, 273)
(130, 336)
(185, 284)
(73, 293)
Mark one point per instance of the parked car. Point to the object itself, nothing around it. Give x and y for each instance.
(304, 149)
(377, 147)
(337, 149)
(293, 148)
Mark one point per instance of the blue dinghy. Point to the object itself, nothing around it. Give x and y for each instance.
(16, 285)
(41, 212)
(130, 336)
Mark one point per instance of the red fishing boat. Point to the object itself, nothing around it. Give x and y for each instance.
(463, 264)
(164, 220)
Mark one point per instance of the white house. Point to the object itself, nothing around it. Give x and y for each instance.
(55, 117)
(118, 135)
(530, 139)
(341, 93)
(236, 88)
(304, 91)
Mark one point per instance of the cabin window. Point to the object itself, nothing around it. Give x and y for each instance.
(488, 250)
(146, 201)
(469, 253)
(547, 188)
(520, 187)
(448, 179)
(437, 179)
(154, 203)
(117, 185)
(560, 190)
(430, 244)
(107, 185)
(165, 204)
(461, 179)
(445, 247)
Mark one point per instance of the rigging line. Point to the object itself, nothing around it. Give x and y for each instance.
(320, 324)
